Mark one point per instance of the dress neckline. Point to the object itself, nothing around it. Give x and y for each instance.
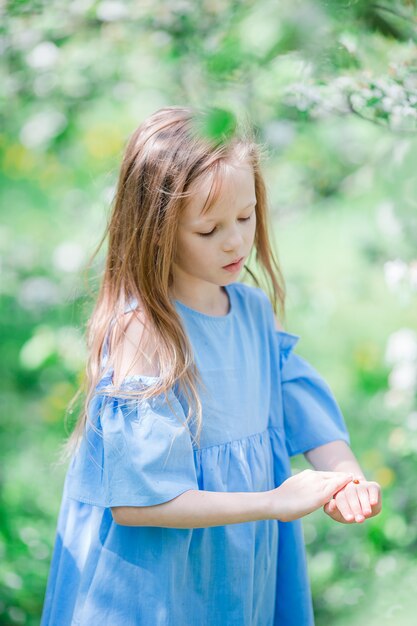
(214, 318)
(133, 303)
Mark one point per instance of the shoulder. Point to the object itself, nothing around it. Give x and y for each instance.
(257, 301)
(134, 346)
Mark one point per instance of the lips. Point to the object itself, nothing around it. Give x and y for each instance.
(234, 262)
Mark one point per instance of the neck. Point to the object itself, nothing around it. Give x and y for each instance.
(213, 301)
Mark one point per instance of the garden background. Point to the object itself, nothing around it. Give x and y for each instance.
(331, 88)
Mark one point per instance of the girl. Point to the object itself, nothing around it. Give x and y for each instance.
(179, 508)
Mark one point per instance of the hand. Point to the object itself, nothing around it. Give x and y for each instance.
(305, 492)
(355, 502)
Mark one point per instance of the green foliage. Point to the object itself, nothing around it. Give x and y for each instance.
(217, 125)
(331, 88)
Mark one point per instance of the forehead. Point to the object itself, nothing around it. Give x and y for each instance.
(231, 187)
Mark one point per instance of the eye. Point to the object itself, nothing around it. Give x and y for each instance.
(241, 219)
(207, 234)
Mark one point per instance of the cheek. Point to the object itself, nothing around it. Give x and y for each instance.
(191, 251)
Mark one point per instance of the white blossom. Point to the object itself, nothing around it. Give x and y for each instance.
(44, 56)
(401, 347)
(395, 272)
(68, 256)
(403, 376)
(42, 127)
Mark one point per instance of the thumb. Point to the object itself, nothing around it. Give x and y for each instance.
(343, 478)
(338, 481)
(327, 507)
(331, 506)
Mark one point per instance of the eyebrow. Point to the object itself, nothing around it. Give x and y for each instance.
(213, 219)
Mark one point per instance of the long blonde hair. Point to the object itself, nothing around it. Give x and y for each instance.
(166, 154)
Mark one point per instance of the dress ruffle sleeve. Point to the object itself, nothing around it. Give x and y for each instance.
(311, 415)
(134, 452)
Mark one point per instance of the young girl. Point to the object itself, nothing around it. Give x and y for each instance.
(179, 508)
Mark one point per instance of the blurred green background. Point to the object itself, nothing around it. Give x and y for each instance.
(331, 88)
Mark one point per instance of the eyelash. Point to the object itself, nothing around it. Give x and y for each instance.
(244, 219)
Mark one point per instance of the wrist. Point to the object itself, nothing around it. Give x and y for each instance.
(272, 505)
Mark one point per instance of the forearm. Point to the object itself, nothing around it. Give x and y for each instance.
(198, 509)
(335, 456)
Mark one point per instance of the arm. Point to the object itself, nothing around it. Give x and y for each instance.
(197, 509)
(297, 496)
(137, 350)
(335, 456)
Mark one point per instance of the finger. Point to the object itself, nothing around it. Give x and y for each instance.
(342, 486)
(344, 507)
(335, 515)
(328, 507)
(332, 505)
(374, 493)
(364, 499)
(351, 494)
(335, 482)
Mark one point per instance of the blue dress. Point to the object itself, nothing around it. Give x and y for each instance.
(263, 403)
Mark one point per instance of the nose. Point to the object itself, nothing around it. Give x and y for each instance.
(233, 241)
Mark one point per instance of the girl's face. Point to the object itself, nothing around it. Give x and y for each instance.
(207, 243)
